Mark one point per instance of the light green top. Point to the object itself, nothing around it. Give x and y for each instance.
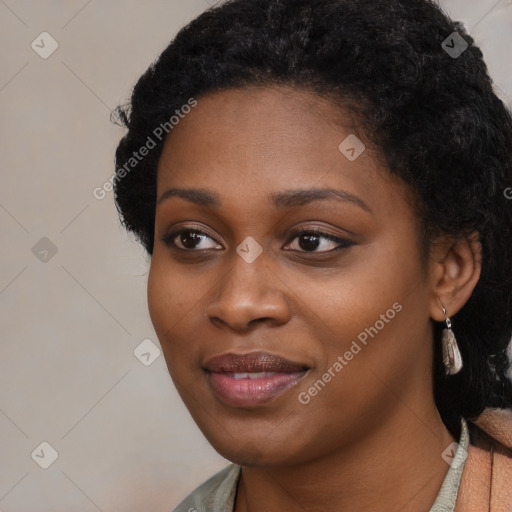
(218, 493)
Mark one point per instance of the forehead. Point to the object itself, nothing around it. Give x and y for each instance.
(268, 118)
(255, 141)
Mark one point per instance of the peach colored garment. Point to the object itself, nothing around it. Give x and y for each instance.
(486, 484)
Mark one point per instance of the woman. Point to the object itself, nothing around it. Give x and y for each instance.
(320, 186)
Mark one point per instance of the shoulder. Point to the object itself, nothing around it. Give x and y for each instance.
(216, 494)
(487, 474)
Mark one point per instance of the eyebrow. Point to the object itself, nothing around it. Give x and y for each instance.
(286, 199)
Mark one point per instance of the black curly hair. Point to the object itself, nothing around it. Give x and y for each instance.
(433, 116)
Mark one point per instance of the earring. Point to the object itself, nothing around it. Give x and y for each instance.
(451, 353)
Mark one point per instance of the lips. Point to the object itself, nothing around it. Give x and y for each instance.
(251, 380)
(252, 363)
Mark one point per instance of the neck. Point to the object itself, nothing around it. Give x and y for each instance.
(397, 467)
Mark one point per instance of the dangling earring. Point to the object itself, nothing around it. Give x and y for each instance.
(451, 353)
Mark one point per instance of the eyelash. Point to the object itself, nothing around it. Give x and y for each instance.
(343, 243)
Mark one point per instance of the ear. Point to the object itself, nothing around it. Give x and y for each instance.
(455, 268)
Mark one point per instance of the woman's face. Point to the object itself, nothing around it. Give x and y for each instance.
(286, 346)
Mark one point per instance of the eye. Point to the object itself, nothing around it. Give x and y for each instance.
(311, 239)
(189, 239)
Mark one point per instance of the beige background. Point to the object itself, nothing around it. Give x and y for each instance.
(68, 374)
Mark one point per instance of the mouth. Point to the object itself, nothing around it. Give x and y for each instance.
(253, 379)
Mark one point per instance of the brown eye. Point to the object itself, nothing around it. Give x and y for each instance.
(189, 239)
(312, 240)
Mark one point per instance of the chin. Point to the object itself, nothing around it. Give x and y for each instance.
(248, 455)
(260, 453)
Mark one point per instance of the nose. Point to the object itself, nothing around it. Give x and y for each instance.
(250, 293)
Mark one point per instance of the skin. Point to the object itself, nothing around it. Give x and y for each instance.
(375, 425)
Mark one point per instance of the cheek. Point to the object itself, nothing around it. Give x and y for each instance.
(171, 302)
(378, 313)
(368, 289)
(159, 297)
